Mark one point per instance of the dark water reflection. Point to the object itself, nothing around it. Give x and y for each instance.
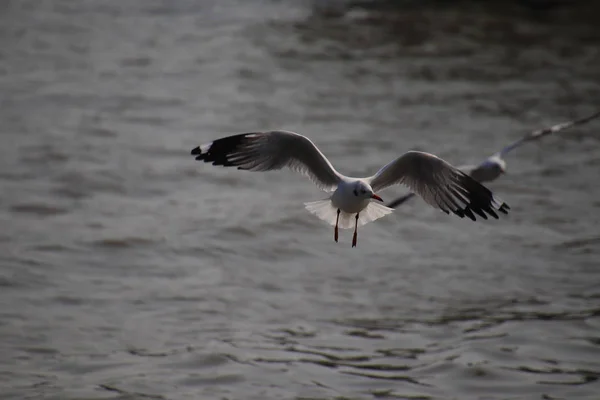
(129, 271)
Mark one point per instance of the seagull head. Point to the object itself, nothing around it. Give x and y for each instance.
(365, 191)
(496, 164)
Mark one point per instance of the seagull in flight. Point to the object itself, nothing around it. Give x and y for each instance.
(354, 201)
(494, 166)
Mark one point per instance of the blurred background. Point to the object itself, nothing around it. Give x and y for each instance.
(128, 270)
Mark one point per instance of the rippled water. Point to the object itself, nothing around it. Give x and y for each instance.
(131, 271)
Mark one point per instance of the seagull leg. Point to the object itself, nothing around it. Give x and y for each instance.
(335, 231)
(355, 233)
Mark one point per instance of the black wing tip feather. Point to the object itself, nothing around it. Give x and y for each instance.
(217, 151)
(481, 200)
(400, 200)
(504, 208)
(196, 151)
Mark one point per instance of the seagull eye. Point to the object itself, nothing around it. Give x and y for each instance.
(363, 191)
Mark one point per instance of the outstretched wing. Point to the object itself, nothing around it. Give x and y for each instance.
(491, 168)
(537, 134)
(440, 184)
(265, 151)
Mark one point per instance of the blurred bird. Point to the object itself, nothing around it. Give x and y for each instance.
(440, 184)
(494, 166)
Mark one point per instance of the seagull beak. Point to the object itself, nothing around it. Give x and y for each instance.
(374, 196)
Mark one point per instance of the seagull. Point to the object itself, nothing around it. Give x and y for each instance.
(494, 166)
(440, 184)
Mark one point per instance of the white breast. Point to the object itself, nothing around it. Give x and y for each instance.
(345, 199)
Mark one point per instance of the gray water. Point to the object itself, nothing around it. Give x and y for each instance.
(130, 271)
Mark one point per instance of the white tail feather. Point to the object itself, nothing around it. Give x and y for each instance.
(325, 211)
(373, 212)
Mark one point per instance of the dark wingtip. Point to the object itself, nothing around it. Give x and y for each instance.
(480, 212)
(217, 152)
(467, 211)
(400, 200)
(481, 200)
(492, 213)
(196, 151)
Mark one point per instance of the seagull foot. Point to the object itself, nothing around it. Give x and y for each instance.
(335, 231)
(355, 236)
